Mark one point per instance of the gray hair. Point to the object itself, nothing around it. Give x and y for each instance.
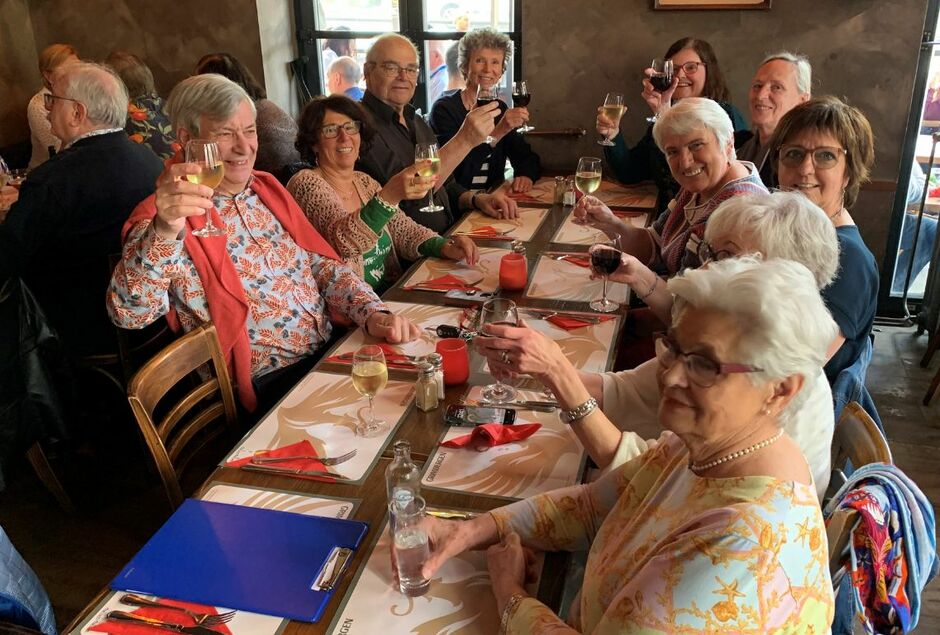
(785, 326)
(482, 38)
(804, 70)
(347, 67)
(378, 42)
(99, 89)
(781, 225)
(211, 96)
(689, 115)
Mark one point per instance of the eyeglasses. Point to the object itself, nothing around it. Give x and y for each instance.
(706, 253)
(48, 99)
(824, 157)
(689, 68)
(391, 69)
(701, 370)
(331, 130)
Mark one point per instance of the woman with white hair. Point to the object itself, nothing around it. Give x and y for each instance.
(717, 528)
(697, 138)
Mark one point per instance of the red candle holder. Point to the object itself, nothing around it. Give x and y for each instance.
(513, 272)
(456, 360)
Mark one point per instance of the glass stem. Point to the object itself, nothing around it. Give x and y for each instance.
(605, 290)
(371, 413)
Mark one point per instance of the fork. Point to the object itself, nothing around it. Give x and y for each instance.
(539, 315)
(327, 460)
(201, 619)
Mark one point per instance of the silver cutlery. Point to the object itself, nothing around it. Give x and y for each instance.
(121, 616)
(544, 315)
(519, 404)
(326, 460)
(201, 619)
(289, 471)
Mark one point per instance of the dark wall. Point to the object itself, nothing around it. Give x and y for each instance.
(863, 50)
(19, 75)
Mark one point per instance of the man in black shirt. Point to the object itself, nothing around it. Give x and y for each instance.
(391, 72)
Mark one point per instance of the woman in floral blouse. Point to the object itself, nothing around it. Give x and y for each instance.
(146, 122)
(356, 214)
(714, 529)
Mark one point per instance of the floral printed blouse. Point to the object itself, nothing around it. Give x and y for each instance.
(289, 290)
(672, 552)
(147, 124)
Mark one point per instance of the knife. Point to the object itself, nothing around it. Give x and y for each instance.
(289, 471)
(121, 616)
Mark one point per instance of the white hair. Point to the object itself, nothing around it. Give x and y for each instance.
(482, 38)
(210, 95)
(380, 41)
(99, 89)
(691, 114)
(347, 67)
(804, 70)
(781, 225)
(785, 326)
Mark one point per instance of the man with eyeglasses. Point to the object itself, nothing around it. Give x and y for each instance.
(67, 221)
(391, 72)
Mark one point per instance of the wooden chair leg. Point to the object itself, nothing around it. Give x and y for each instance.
(37, 458)
(932, 346)
(933, 388)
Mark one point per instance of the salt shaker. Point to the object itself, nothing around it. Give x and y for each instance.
(570, 198)
(559, 197)
(437, 362)
(426, 388)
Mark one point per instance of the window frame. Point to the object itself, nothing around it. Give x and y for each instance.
(411, 19)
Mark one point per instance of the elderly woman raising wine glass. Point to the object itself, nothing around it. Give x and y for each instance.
(716, 529)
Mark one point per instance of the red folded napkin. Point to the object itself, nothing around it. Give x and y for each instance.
(393, 357)
(581, 261)
(443, 283)
(486, 231)
(524, 196)
(165, 615)
(301, 448)
(490, 434)
(571, 323)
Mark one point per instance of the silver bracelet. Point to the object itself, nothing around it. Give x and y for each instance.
(570, 416)
(651, 289)
(508, 611)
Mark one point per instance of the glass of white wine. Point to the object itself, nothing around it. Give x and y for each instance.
(206, 155)
(499, 311)
(587, 178)
(428, 164)
(369, 376)
(613, 109)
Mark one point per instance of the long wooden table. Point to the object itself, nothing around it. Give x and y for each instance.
(421, 429)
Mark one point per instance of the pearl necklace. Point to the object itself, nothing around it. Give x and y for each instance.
(701, 467)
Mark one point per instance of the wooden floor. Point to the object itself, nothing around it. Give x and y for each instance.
(77, 556)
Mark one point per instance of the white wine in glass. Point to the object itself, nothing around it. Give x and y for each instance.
(499, 311)
(613, 109)
(428, 164)
(206, 155)
(369, 376)
(587, 178)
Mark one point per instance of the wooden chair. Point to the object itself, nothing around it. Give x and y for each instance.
(858, 440)
(187, 418)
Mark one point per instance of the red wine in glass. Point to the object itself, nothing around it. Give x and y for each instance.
(483, 102)
(605, 261)
(521, 100)
(661, 82)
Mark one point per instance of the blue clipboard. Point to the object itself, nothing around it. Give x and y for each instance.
(245, 558)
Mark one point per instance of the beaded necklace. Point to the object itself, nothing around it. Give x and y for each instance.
(701, 467)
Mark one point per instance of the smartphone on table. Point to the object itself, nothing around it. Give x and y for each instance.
(471, 416)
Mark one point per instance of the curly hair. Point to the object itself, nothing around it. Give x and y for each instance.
(482, 38)
(311, 120)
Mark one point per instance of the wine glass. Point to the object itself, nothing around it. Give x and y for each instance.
(587, 178)
(16, 178)
(661, 79)
(428, 164)
(520, 99)
(206, 155)
(369, 376)
(484, 96)
(613, 110)
(499, 311)
(605, 259)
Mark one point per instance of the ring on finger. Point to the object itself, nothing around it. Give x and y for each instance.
(505, 357)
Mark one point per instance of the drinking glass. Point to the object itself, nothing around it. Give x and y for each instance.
(661, 79)
(605, 259)
(484, 96)
(456, 360)
(369, 376)
(613, 110)
(520, 99)
(587, 178)
(206, 155)
(410, 544)
(499, 311)
(428, 164)
(17, 177)
(513, 272)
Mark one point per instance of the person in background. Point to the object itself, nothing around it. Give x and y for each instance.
(276, 129)
(147, 124)
(925, 240)
(269, 337)
(338, 47)
(782, 81)
(715, 529)
(483, 56)
(42, 138)
(696, 74)
(359, 217)
(437, 70)
(343, 78)
(391, 71)
(454, 78)
(67, 222)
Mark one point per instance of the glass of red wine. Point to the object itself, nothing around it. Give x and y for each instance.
(661, 79)
(520, 99)
(486, 94)
(499, 311)
(605, 259)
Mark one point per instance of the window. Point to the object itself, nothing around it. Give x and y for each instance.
(328, 29)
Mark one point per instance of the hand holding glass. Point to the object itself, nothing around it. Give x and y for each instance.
(206, 155)
(613, 109)
(428, 165)
(369, 376)
(605, 259)
(661, 79)
(484, 96)
(499, 311)
(520, 99)
(410, 544)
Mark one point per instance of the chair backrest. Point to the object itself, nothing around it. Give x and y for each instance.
(185, 420)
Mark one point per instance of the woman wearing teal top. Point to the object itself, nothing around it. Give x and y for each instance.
(358, 216)
(696, 75)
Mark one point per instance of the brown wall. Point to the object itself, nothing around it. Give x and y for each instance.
(864, 50)
(19, 77)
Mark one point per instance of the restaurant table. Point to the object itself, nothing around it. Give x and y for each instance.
(422, 429)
